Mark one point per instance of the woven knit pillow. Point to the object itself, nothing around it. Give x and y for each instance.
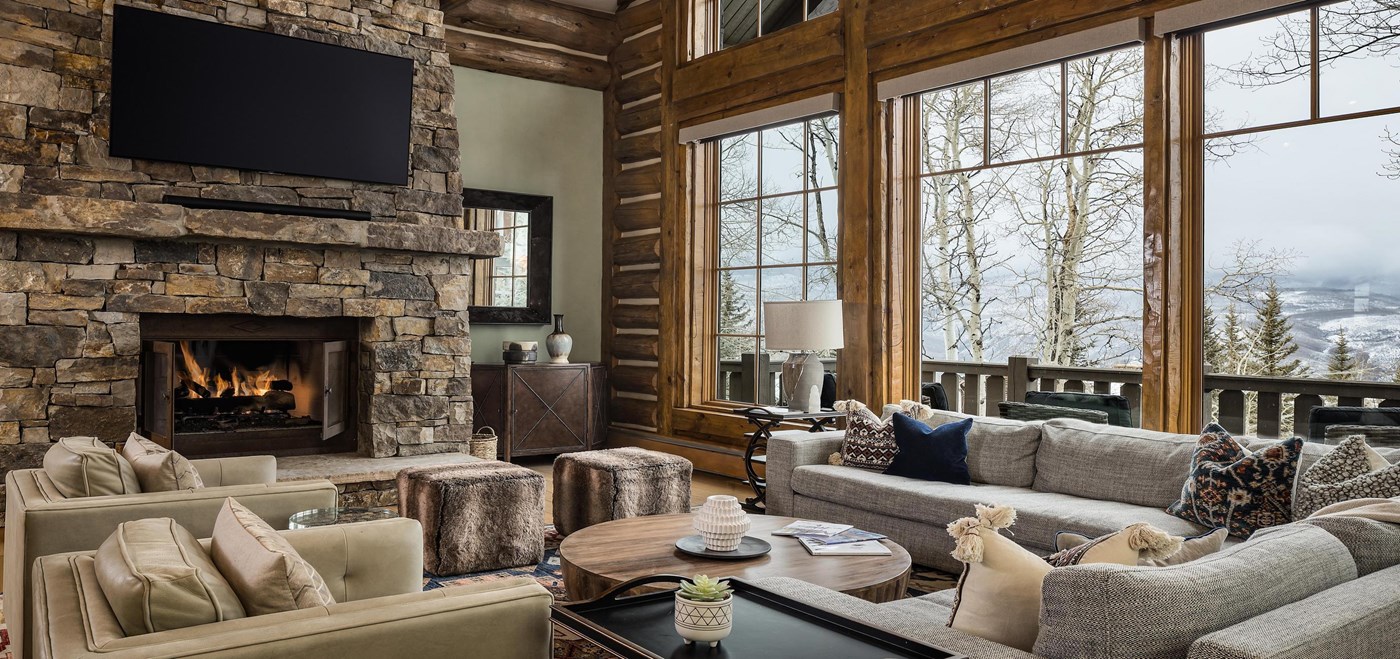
(159, 469)
(1131, 546)
(869, 441)
(1353, 470)
(1229, 486)
(998, 596)
(1191, 548)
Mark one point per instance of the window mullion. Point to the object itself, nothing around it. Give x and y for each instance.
(1314, 57)
(986, 122)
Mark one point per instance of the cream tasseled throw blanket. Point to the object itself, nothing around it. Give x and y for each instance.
(1381, 510)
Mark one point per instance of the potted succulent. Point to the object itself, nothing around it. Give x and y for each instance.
(704, 610)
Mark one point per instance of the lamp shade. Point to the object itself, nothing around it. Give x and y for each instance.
(814, 325)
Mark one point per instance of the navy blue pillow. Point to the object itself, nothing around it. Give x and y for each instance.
(931, 454)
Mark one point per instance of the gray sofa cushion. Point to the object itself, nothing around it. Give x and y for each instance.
(999, 451)
(1374, 545)
(1158, 612)
(1354, 619)
(1039, 515)
(927, 623)
(1111, 463)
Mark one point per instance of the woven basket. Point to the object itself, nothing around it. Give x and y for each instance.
(483, 444)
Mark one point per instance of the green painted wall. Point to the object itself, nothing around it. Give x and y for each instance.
(539, 138)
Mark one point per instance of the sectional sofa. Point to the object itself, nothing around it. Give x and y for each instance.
(1320, 587)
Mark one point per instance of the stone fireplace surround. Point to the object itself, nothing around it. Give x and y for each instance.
(87, 247)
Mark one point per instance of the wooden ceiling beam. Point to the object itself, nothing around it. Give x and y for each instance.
(556, 24)
(486, 53)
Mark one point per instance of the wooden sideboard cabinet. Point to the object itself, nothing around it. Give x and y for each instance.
(541, 409)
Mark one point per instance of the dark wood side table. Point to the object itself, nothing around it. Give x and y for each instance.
(765, 419)
(541, 409)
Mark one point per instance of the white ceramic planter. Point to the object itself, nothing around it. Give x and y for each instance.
(704, 622)
(722, 523)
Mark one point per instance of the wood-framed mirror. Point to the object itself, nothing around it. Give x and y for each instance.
(513, 288)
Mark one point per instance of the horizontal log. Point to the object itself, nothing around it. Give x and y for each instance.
(762, 59)
(640, 86)
(478, 51)
(634, 284)
(821, 76)
(633, 411)
(639, 181)
(636, 316)
(638, 215)
(637, 250)
(639, 117)
(639, 17)
(644, 146)
(635, 346)
(537, 20)
(636, 379)
(638, 53)
(888, 20)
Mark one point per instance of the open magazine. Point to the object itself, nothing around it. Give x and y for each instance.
(865, 548)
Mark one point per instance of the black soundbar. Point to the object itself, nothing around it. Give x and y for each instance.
(259, 207)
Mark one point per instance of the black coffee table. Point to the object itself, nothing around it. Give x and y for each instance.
(766, 626)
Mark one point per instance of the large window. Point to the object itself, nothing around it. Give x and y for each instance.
(1031, 214)
(777, 224)
(742, 20)
(1302, 178)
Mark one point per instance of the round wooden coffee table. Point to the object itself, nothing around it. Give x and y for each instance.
(604, 555)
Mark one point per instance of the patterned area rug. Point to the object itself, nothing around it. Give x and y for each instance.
(922, 581)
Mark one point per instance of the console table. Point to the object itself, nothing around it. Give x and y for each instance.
(765, 419)
(541, 409)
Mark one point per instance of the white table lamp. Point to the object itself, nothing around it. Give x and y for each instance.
(801, 329)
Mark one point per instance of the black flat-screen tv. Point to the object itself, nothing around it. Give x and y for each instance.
(192, 91)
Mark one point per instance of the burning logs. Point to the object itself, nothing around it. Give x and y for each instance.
(275, 400)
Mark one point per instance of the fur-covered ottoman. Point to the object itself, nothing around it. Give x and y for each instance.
(593, 487)
(477, 516)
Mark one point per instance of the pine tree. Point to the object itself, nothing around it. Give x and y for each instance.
(1234, 345)
(1275, 340)
(1214, 350)
(734, 316)
(1343, 363)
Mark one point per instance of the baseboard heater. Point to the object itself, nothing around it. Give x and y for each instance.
(259, 207)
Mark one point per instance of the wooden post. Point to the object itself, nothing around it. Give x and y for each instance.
(1018, 377)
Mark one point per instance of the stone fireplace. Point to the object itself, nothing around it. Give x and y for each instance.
(100, 280)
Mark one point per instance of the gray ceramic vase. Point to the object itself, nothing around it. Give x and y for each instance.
(559, 343)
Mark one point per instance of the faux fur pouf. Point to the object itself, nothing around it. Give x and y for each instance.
(592, 487)
(477, 516)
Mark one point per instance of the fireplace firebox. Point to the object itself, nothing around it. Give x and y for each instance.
(239, 385)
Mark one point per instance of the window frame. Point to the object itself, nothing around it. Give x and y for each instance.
(707, 205)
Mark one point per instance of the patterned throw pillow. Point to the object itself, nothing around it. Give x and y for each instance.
(1353, 470)
(1230, 487)
(1131, 546)
(869, 442)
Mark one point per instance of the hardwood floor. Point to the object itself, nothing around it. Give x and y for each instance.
(702, 485)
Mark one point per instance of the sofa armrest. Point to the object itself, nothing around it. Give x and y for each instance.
(364, 560)
(788, 450)
(1354, 619)
(507, 619)
(248, 470)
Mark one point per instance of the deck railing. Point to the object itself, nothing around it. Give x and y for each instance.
(1243, 404)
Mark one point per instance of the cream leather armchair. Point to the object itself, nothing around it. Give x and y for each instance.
(374, 571)
(40, 521)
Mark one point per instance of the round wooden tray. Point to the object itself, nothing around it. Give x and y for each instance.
(749, 547)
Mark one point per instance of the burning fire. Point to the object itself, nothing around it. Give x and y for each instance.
(204, 383)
